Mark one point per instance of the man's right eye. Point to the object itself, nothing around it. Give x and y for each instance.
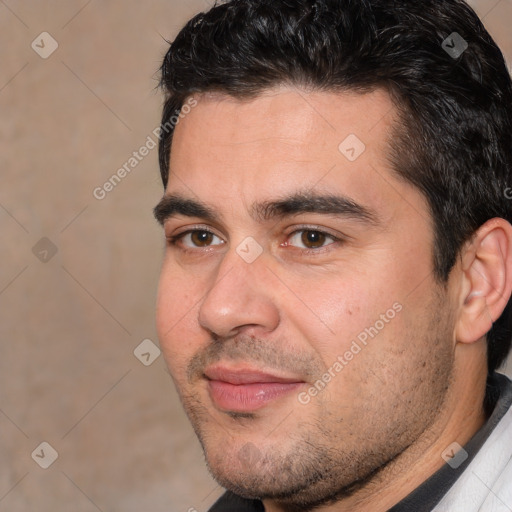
(194, 238)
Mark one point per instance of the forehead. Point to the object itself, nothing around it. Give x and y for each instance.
(233, 151)
(290, 116)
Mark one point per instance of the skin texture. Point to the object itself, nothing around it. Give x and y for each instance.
(379, 427)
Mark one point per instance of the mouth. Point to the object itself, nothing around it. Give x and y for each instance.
(247, 389)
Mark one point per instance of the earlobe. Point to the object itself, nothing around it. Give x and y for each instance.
(487, 279)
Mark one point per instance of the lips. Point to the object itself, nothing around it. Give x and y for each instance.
(247, 389)
(244, 376)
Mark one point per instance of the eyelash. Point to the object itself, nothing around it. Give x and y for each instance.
(174, 240)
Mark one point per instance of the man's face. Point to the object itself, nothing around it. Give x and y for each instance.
(309, 341)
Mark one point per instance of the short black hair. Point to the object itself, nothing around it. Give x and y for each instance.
(443, 71)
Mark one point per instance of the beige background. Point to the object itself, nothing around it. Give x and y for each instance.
(69, 326)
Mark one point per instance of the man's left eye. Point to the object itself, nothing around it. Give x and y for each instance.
(310, 238)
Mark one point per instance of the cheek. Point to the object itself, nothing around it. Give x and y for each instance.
(337, 311)
(176, 317)
(351, 323)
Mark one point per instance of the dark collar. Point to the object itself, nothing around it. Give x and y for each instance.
(425, 497)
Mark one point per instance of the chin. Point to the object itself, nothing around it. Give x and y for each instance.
(298, 480)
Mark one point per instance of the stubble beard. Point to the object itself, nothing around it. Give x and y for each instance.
(314, 466)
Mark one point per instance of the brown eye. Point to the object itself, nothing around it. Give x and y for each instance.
(201, 238)
(310, 239)
(313, 239)
(194, 239)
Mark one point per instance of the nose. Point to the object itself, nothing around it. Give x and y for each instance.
(239, 296)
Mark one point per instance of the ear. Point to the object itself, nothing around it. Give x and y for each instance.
(486, 279)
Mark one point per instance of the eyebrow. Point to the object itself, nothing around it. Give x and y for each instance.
(293, 204)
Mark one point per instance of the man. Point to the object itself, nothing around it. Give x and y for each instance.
(334, 296)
